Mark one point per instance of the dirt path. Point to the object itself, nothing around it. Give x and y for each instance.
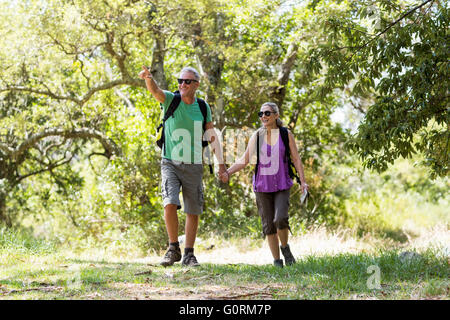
(256, 252)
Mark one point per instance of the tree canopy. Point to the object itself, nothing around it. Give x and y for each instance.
(69, 88)
(400, 58)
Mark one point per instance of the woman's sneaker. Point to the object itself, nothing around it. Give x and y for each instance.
(288, 257)
(278, 263)
(172, 255)
(189, 260)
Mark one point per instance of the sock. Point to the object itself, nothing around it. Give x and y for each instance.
(175, 244)
(188, 250)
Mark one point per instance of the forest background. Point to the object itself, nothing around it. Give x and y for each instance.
(363, 85)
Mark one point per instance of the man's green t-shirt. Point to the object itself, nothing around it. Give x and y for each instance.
(184, 131)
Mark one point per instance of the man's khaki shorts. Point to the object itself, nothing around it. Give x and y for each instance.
(178, 176)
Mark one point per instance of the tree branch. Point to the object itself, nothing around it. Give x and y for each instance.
(109, 85)
(83, 133)
(6, 149)
(278, 93)
(47, 93)
(409, 12)
(118, 57)
(50, 167)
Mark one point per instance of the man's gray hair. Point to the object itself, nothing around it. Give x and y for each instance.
(191, 70)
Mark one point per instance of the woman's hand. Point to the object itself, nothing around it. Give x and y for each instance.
(224, 176)
(304, 187)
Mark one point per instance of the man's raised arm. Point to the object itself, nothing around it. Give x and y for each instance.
(151, 85)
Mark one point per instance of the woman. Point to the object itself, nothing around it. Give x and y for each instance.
(271, 182)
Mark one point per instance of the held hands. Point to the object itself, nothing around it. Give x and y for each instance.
(145, 73)
(224, 176)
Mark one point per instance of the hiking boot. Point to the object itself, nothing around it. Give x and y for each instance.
(288, 257)
(172, 255)
(189, 260)
(278, 263)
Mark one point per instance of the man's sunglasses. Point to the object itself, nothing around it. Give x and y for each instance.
(187, 81)
(266, 113)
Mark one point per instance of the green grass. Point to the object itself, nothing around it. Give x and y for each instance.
(396, 217)
(23, 241)
(38, 269)
(31, 275)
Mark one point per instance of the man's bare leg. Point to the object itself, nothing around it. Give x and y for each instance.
(191, 229)
(191, 233)
(171, 218)
(173, 254)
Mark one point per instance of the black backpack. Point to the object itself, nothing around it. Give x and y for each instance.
(170, 112)
(285, 138)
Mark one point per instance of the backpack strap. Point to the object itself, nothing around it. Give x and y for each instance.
(172, 107)
(204, 110)
(285, 138)
(257, 153)
(169, 112)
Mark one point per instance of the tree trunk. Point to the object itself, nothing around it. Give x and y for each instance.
(4, 219)
(299, 106)
(211, 68)
(157, 67)
(278, 93)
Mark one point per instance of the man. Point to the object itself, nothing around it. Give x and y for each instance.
(181, 164)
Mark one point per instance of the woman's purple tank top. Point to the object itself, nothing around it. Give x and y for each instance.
(273, 173)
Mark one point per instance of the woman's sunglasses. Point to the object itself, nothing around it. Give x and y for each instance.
(187, 81)
(265, 113)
